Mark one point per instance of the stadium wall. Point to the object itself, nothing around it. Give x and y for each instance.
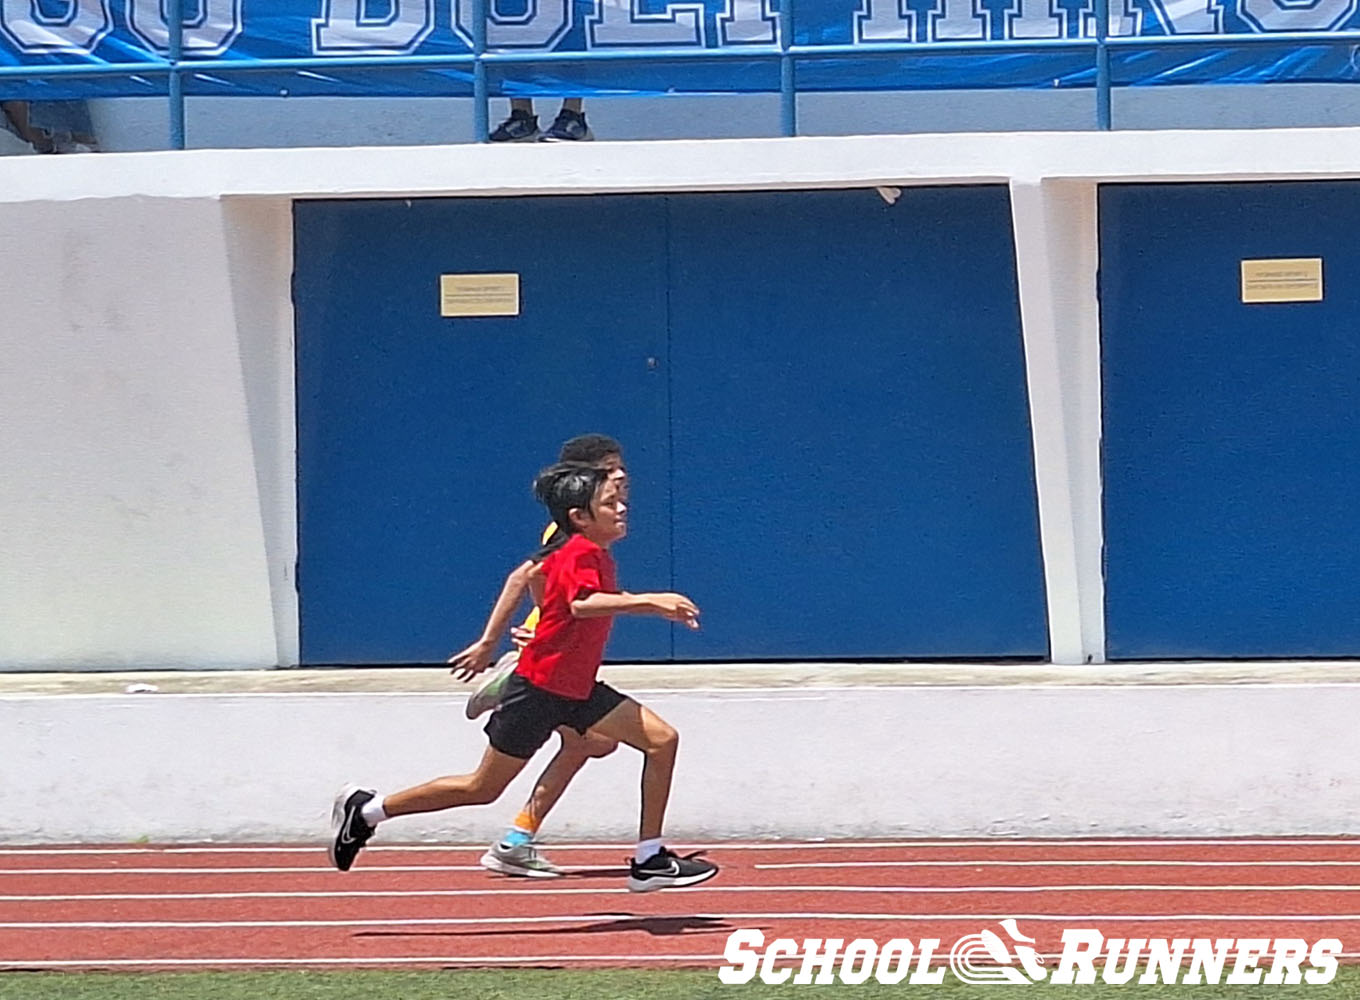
(148, 520)
(865, 762)
(149, 402)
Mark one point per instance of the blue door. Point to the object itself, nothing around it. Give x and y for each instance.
(821, 397)
(419, 436)
(1230, 429)
(853, 472)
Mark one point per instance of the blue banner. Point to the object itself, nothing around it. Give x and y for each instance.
(1032, 43)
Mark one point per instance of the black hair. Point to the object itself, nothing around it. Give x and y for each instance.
(589, 448)
(565, 487)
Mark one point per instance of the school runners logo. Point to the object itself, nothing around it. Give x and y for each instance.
(985, 958)
(1011, 957)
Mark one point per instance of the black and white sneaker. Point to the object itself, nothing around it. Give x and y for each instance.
(568, 126)
(521, 126)
(667, 870)
(349, 831)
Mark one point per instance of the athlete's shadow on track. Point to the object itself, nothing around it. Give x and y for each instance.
(592, 873)
(620, 922)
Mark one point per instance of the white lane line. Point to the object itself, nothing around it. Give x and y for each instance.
(979, 863)
(538, 891)
(14, 963)
(263, 871)
(819, 845)
(1048, 863)
(630, 918)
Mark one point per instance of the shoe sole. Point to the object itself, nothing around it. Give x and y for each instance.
(477, 704)
(338, 821)
(679, 882)
(494, 864)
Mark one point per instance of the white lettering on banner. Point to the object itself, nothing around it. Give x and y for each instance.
(884, 21)
(1036, 19)
(1295, 15)
(966, 20)
(345, 27)
(210, 33)
(541, 25)
(748, 22)
(957, 20)
(1190, 17)
(1011, 957)
(621, 22)
(83, 25)
(1127, 20)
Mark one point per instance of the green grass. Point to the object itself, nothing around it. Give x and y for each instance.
(543, 984)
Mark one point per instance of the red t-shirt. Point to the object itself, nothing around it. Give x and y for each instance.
(565, 652)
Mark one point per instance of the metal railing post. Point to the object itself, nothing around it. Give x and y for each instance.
(481, 118)
(175, 23)
(788, 95)
(1102, 64)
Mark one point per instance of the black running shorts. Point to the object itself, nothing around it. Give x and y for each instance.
(528, 715)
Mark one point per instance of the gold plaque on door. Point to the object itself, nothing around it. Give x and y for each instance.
(479, 295)
(1284, 279)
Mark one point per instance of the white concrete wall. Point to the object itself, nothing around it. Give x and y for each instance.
(147, 512)
(130, 514)
(883, 762)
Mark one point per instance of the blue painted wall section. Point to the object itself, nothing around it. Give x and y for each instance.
(419, 436)
(1230, 430)
(853, 468)
(822, 398)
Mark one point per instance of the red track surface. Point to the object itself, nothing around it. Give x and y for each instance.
(135, 907)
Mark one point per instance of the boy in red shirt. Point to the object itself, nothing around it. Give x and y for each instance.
(555, 685)
(516, 852)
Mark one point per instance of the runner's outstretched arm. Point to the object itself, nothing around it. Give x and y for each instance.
(468, 663)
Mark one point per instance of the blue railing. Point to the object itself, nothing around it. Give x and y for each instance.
(175, 67)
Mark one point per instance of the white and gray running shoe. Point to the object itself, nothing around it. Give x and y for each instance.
(522, 860)
(488, 695)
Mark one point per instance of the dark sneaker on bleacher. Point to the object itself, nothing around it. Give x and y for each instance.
(349, 831)
(521, 126)
(667, 870)
(568, 126)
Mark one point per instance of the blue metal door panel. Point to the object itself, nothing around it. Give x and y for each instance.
(853, 471)
(1230, 430)
(418, 436)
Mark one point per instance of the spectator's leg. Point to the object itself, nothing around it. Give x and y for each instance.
(66, 124)
(19, 122)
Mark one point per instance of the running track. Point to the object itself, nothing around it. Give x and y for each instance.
(429, 906)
